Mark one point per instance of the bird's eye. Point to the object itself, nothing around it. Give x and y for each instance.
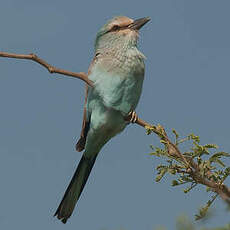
(115, 27)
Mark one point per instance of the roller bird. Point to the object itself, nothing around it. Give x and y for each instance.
(117, 72)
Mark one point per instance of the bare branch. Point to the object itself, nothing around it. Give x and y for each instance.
(192, 167)
(51, 69)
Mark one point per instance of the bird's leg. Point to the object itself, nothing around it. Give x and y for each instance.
(132, 116)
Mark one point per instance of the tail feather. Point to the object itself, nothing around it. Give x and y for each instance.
(74, 189)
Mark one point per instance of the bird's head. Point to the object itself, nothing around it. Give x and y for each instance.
(119, 31)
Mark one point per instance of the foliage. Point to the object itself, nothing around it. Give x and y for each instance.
(199, 165)
(183, 223)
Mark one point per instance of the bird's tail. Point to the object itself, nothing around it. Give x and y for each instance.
(75, 188)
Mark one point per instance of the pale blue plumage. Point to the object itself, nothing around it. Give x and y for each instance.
(114, 95)
(117, 72)
(119, 82)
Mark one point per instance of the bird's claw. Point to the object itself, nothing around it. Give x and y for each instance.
(133, 117)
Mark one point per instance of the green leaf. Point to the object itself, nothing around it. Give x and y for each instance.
(227, 171)
(155, 154)
(202, 212)
(175, 183)
(176, 134)
(221, 163)
(162, 171)
(194, 138)
(159, 152)
(185, 179)
(152, 147)
(199, 150)
(186, 190)
(220, 154)
(150, 129)
(211, 146)
(172, 171)
(216, 158)
(163, 142)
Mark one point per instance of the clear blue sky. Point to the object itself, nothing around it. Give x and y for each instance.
(186, 87)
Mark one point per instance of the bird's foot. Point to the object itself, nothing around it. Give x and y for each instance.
(132, 117)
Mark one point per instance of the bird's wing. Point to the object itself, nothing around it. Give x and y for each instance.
(86, 117)
(85, 126)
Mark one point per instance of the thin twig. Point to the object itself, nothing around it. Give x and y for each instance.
(51, 69)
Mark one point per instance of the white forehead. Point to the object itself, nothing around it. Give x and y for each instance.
(121, 21)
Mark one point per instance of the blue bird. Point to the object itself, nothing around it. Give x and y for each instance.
(117, 72)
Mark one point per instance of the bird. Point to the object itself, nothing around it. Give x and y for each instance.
(117, 72)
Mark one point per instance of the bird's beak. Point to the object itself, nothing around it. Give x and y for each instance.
(138, 23)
